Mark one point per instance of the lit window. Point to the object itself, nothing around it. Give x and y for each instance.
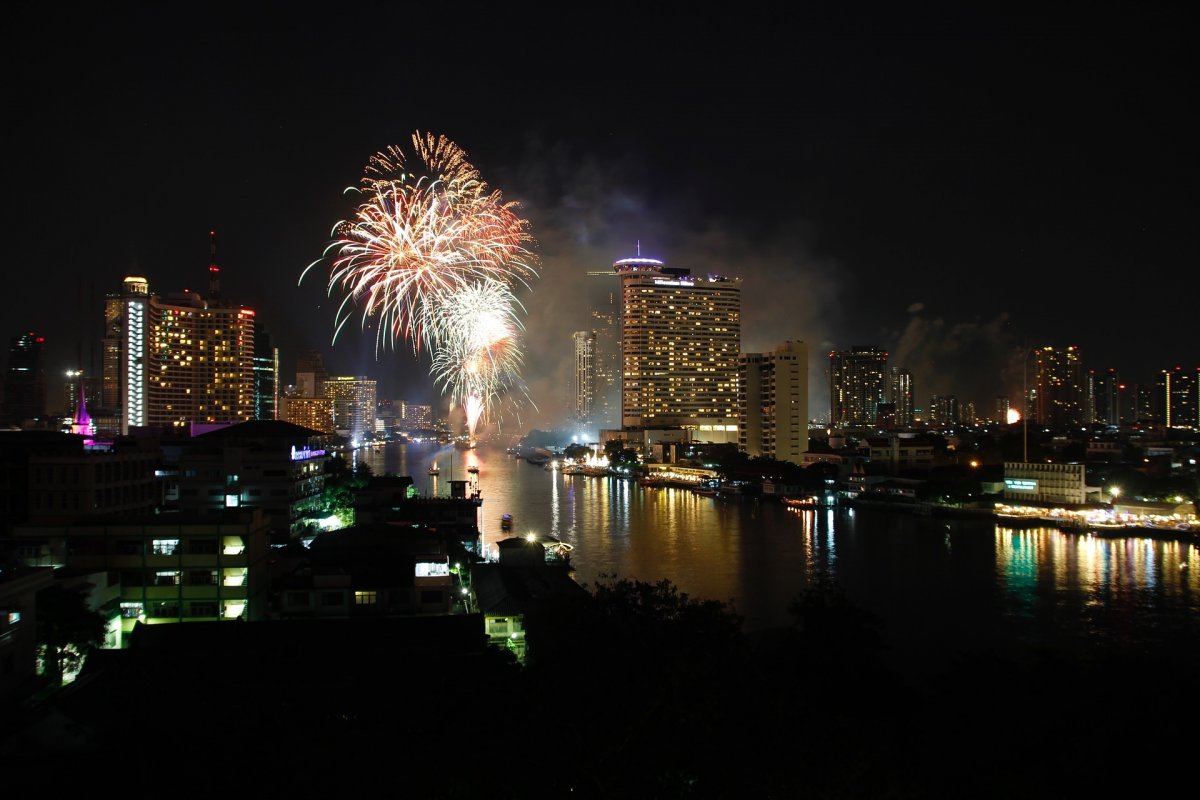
(365, 598)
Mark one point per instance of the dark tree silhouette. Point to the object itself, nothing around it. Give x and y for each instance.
(66, 627)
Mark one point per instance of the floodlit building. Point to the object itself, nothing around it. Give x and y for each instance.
(354, 401)
(1045, 483)
(680, 342)
(174, 361)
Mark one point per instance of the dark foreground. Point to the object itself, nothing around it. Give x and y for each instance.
(639, 693)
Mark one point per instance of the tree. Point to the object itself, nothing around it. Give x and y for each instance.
(67, 629)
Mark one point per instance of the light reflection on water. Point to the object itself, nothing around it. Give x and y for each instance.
(933, 582)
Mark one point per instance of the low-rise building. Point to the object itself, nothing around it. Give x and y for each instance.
(170, 567)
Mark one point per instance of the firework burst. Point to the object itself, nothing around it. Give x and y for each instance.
(432, 255)
(427, 227)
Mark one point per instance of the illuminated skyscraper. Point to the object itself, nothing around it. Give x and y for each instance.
(178, 360)
(606, 362)
(680, 341)
(1177, 394)
(944, 410)
(266, 375)
(774, 403)
(585, 374)
(1104, 393)
(902, 396)
(354, 401)
(1061, 395)
(856, 386)
(25, 379)
(314, 413)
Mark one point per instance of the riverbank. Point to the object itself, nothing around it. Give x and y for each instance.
(1189, 535)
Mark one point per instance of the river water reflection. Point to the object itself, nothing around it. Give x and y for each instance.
(937, 585)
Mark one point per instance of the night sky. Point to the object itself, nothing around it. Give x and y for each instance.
(951, 187)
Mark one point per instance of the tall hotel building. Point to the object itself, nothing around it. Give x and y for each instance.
(856, 386)
(680, 341)
(354, 402)
(1061, 393)
(774, 402)
(585, 374)
(180, 360)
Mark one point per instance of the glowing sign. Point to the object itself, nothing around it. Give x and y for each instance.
(1020, 485)
(305, 454)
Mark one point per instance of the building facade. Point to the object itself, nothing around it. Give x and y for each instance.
(171, 362)
(585, 374)
(680, 342)
(1045, 483)
(25, 380)
(856, 386)
(170, 568)
(266, 375)
(773, 397)
(1061, 394)
(354, 401)
(1176, 389)
(902, 396)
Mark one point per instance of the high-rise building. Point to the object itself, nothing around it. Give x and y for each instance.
(112, 372)
(585, 374)
(606, 402)
(856, 386)
(680, 341)
(266, 375)
(177, 360)
(1104, 392)
(354, 400)
(1177, 392)
(1003, 406)
(25, 379)
(314, 413)
(902, 396)
(415, 416)
(774, 402)
(310, 374)
(1061, 395)
(200, 363)
(944, 410)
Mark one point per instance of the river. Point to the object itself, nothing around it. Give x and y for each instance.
(937, 586)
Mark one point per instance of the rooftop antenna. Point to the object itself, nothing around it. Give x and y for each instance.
(214, 272)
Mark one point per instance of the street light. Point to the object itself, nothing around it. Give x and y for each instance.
(1114, 492)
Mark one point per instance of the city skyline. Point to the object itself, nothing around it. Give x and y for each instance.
(952, 190)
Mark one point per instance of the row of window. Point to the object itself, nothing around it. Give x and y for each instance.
(367, 597)
(196, 608)
(178, 577)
